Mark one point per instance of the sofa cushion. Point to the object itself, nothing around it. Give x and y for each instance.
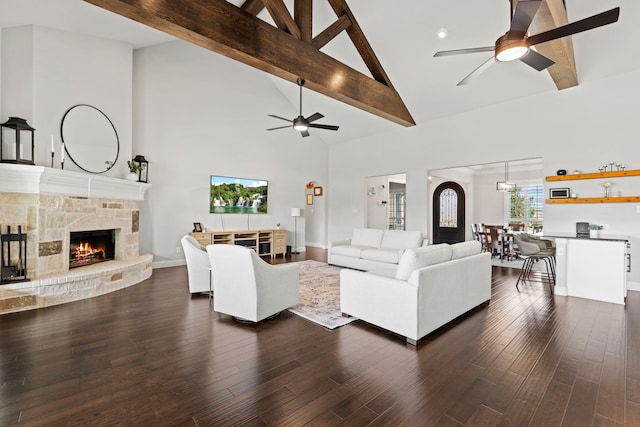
(413, 259)
(391, 256)
(367, 237)
(352, 251)
(465, 249)
(398, 239)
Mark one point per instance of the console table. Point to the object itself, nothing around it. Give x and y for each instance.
(264, 242)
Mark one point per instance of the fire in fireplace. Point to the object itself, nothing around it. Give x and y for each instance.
(91, 247)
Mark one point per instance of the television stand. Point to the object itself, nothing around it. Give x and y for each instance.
(265, 242)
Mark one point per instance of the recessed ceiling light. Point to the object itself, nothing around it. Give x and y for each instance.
(441, 33)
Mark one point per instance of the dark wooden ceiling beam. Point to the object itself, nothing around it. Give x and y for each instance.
(331, 32)
(552, 14)
(303, 15)
(281, 16)
(253, 7)
(360, 42)
(224, 28)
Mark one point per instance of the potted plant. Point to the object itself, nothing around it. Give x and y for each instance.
(594, 230)
(134, 170)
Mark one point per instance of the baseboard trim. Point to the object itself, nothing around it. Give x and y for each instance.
(316, 245)
(169, 263)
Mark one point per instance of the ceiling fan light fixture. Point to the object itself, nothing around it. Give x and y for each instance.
(511, 53)
(511, 47)
(300, 124)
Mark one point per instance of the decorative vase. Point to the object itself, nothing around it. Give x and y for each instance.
(131, 176)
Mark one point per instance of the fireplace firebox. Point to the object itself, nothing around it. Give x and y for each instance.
(91, 247)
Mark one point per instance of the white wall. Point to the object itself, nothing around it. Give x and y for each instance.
(198, 114)
(577, 128)
(45, 72)
(315, 217)
(377, 211)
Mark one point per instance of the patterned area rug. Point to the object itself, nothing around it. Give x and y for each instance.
(518, 263)
(320, 295)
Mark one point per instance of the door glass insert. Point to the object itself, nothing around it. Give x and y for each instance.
(449, 208)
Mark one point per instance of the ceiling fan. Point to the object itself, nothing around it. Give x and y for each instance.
(301, 123)
(516, 44)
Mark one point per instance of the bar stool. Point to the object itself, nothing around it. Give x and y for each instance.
(532, 252)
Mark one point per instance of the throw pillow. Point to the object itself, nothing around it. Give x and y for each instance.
(413, 259)
(465, 249)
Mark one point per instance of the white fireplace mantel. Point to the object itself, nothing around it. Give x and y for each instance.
(43, 180)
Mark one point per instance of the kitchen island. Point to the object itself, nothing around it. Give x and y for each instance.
(594, 268)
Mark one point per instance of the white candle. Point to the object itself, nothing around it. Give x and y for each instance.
(52, 148)
(62, 153)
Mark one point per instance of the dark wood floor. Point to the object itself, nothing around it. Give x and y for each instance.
(152, 355)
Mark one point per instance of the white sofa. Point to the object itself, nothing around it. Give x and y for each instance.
(430, 287)
(371, 248)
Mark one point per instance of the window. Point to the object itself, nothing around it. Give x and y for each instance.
(449, 208)
(526, 206)
(396, 211)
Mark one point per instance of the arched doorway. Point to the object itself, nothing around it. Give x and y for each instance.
(448, 213)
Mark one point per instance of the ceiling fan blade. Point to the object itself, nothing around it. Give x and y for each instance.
(328, 127)
(281, 127)
(523, 15)
(278, 117)
(314, 117)
(536, 60)
(475, 73)
(463, 51)
(595, 21)
(304, 133)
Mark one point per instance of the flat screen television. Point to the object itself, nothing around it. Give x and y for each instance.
(238, 195)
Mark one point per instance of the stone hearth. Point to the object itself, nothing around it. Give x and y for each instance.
(49, 204)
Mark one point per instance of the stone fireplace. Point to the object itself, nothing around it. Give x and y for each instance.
(54, 205)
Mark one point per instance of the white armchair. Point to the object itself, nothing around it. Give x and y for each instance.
(197, 264)
(247, 287)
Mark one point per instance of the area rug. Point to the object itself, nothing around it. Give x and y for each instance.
(320, 295)
(518, 263)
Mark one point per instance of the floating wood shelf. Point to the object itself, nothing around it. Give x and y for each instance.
(594, 175)
(624, 199)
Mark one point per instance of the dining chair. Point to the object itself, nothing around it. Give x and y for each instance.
(485, 239)
(494, 242)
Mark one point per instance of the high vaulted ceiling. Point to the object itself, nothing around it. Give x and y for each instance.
(403, 36)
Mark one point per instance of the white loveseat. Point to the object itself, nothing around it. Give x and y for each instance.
(371, 248)
(430, 287)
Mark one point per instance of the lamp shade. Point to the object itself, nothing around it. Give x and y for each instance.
(295, 211)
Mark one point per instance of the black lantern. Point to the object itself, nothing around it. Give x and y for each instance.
(15, 146)
(143, 168)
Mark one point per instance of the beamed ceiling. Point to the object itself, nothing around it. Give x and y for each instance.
(286, 50)
(374, 55)
(289, 50)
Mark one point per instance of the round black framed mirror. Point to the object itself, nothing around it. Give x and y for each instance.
(90, 138)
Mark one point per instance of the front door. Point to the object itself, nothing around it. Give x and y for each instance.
(448, 213)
